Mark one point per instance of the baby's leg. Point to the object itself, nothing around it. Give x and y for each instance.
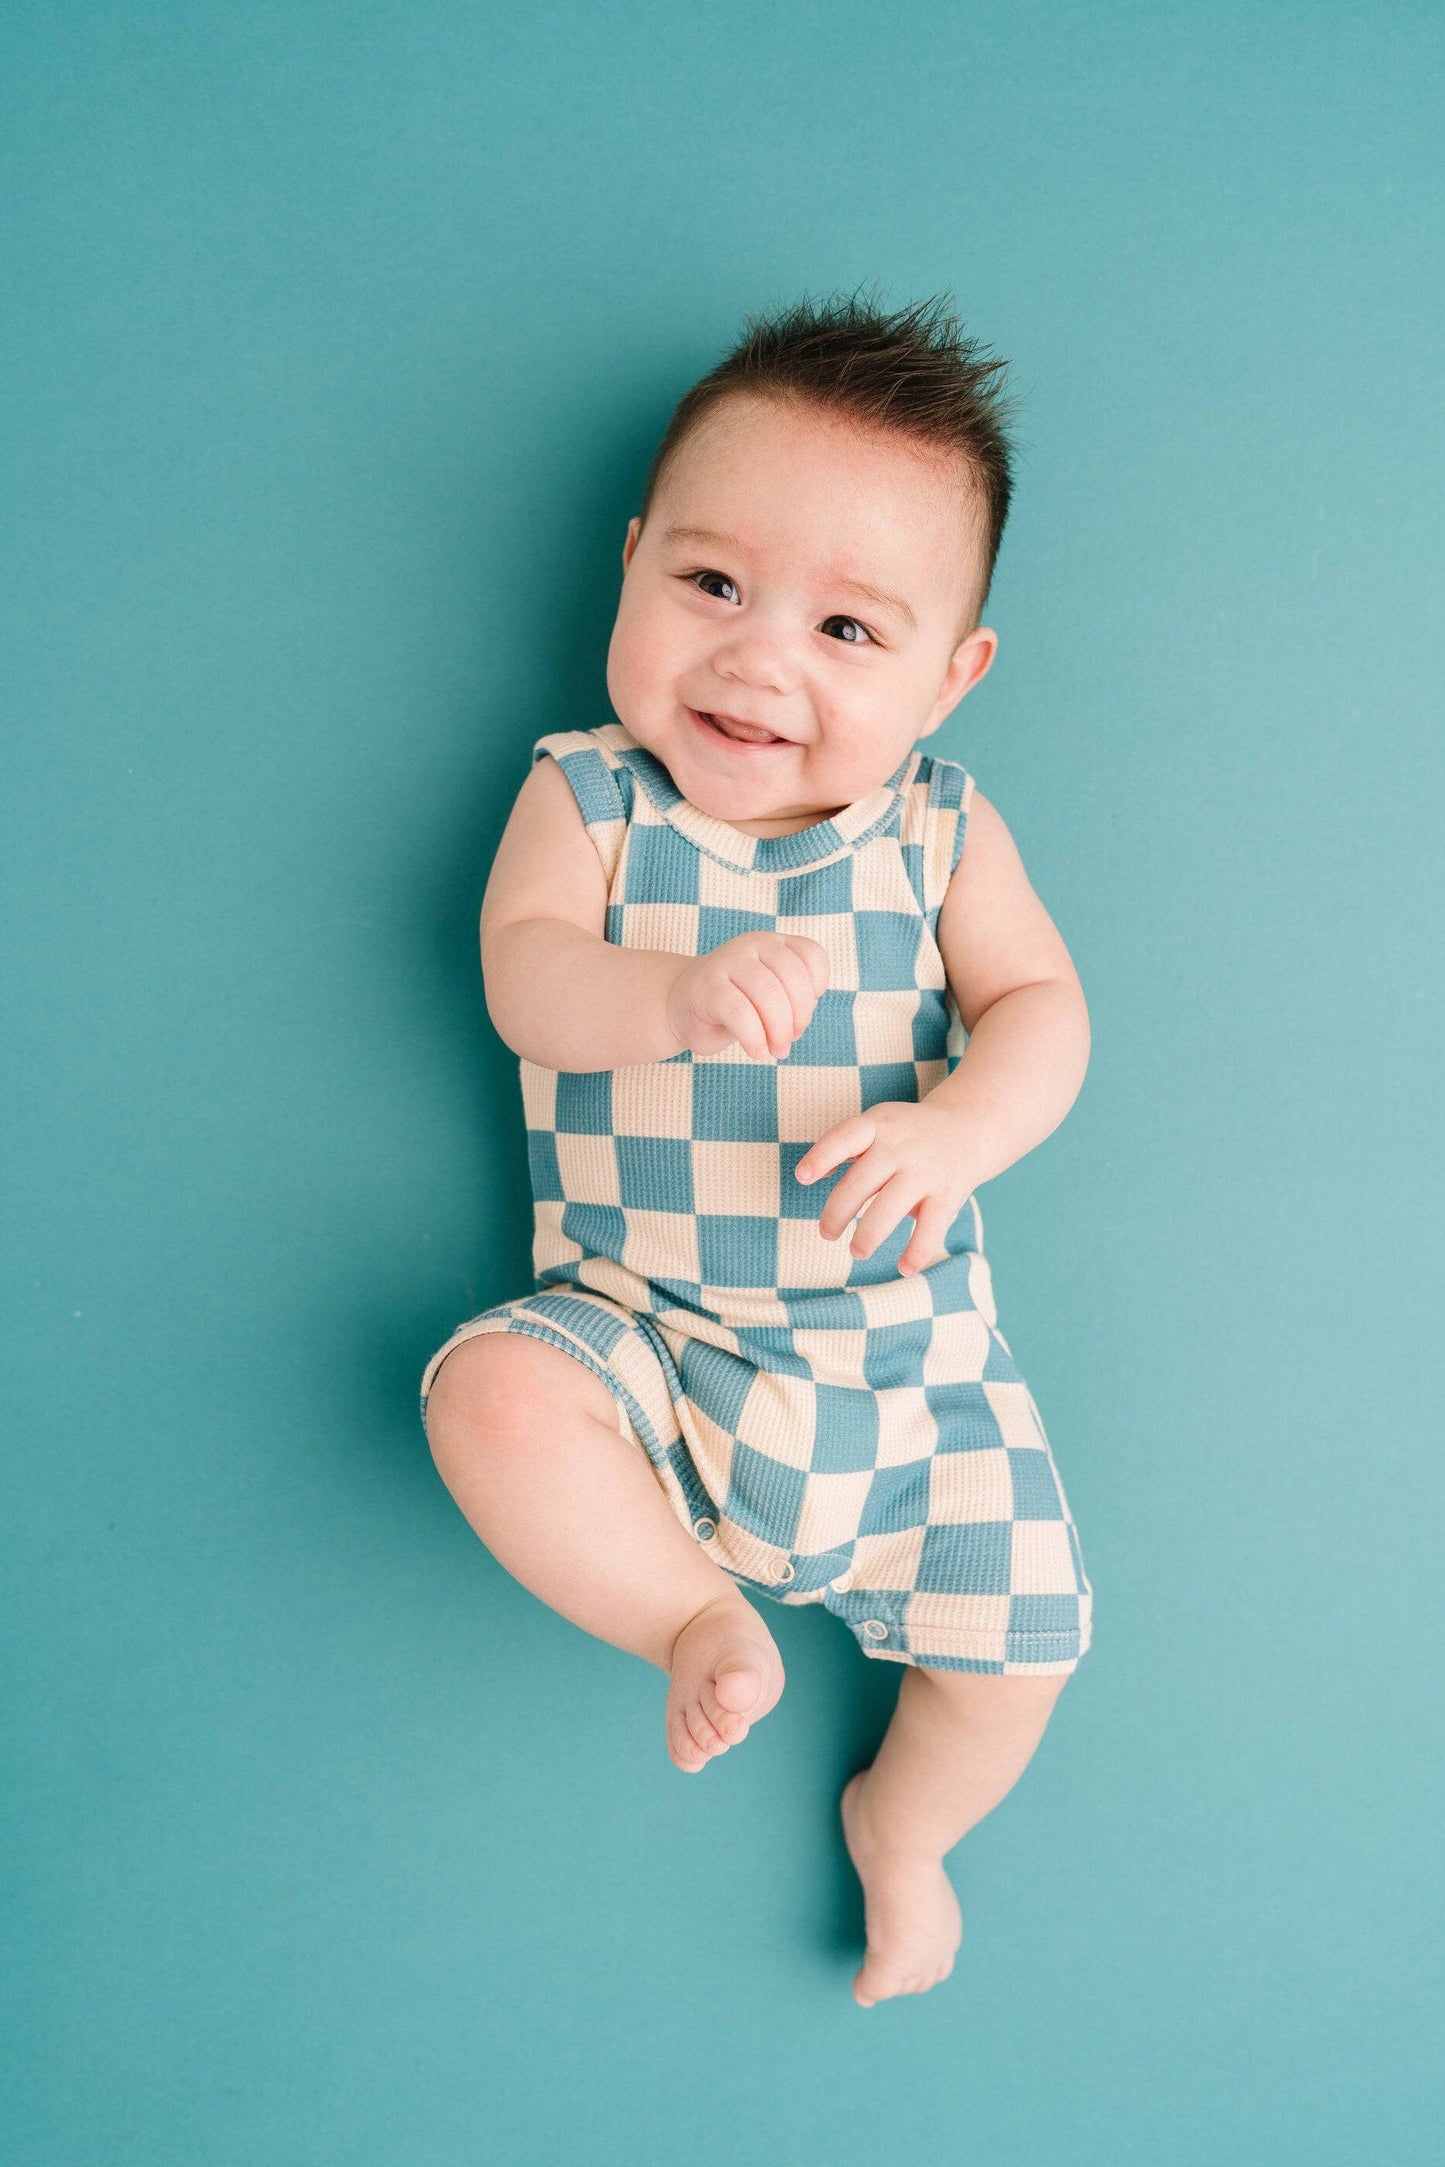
(958, 1743)
(526, 1440)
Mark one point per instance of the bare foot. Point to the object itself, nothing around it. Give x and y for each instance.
(726, 1675)
(914, 1925)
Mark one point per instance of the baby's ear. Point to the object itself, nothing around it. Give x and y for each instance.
(634, 528)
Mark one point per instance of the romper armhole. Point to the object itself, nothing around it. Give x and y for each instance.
(597, 787)
(950, 790)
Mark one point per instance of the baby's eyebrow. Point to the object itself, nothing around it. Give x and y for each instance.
(831, 579)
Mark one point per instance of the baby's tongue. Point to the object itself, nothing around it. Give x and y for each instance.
(748, 732)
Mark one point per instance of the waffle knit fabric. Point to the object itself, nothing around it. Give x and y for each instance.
(831, 1430)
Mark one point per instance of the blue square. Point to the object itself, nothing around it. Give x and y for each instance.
(931, 1021)
(893, 1353)
(913, 866)
(945, 781)
(897, 1499)
(654, 1173)
(714, 926)
(716, 1380)
(771, 1347)
(591, 783)
(972, 1559)
(826, 892)
(1000, 1367)
(887, 947)
(803, 1199)
(584, 1103)
(1036, 1491)
(948, 1284)
(764, 1496)
(883, 1264)
(736, 1251)
(662, 866)
(880, 1080)
(1043, 1614)
(845, 1433)
(735, 1102)
(546, 1174)
(598, 1229)
(828, 1041)
(966, 1422)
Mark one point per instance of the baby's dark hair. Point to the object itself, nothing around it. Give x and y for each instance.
(913, 371)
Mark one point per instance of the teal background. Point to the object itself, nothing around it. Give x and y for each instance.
(336, 340)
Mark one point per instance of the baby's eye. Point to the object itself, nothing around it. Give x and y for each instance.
(699, 580)
(854, 637)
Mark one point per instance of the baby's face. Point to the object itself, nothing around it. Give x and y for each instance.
(792, 614)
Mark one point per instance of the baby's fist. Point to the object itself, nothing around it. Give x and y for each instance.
(758, 992)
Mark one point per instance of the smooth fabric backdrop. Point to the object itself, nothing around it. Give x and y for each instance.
(336, 339)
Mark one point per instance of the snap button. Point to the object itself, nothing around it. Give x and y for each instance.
(842, 1584)
(704, 1530)
(875, 1628)
(785, 1570)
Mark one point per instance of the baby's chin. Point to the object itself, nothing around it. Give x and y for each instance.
(750, 784)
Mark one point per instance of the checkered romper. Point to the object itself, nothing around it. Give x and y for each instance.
(831, 1430)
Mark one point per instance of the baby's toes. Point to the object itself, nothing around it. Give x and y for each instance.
(729, 1725)
(683, 1748)
(704, 1734)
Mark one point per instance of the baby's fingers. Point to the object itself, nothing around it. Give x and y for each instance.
(814, 955)
(928, 1243)
(893, 1202)
(797, 979)
(769, 997)
(734, 1011)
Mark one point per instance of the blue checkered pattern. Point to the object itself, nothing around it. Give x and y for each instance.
(832, 1431)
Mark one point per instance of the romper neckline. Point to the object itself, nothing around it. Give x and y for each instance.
(805, 847)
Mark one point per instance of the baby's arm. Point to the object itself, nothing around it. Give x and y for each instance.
(563, 996)
(1020, 999)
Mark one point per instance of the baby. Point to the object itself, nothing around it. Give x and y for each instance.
(783, 998)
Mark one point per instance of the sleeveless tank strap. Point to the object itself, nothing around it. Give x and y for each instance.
(603, 791)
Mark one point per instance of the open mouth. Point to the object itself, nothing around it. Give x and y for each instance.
(735, 731)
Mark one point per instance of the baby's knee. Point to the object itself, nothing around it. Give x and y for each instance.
(502, 1386)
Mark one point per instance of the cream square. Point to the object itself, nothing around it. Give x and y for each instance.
(980, 1275)
(588, 1167)
(1043, 1563)
(835, 936)
(736, 1178)
(832, 1508)
(653, 1099)
(958, 1350)
(887, 1561)
(711, 1447)
(906, 1428)
(1014, 1409)
(833, 1357)
(550, 1246)
(671, 927)
(883, 1024)
(806, 1260)
(778, 1418)
(661, 1244)
(539, 1096)
(813, 1100)
(967, 1486)
(725, 887)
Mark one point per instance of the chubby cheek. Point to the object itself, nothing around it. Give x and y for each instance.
(643, 662)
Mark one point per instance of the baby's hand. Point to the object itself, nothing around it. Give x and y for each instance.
(758, 991)
(912, 1160)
